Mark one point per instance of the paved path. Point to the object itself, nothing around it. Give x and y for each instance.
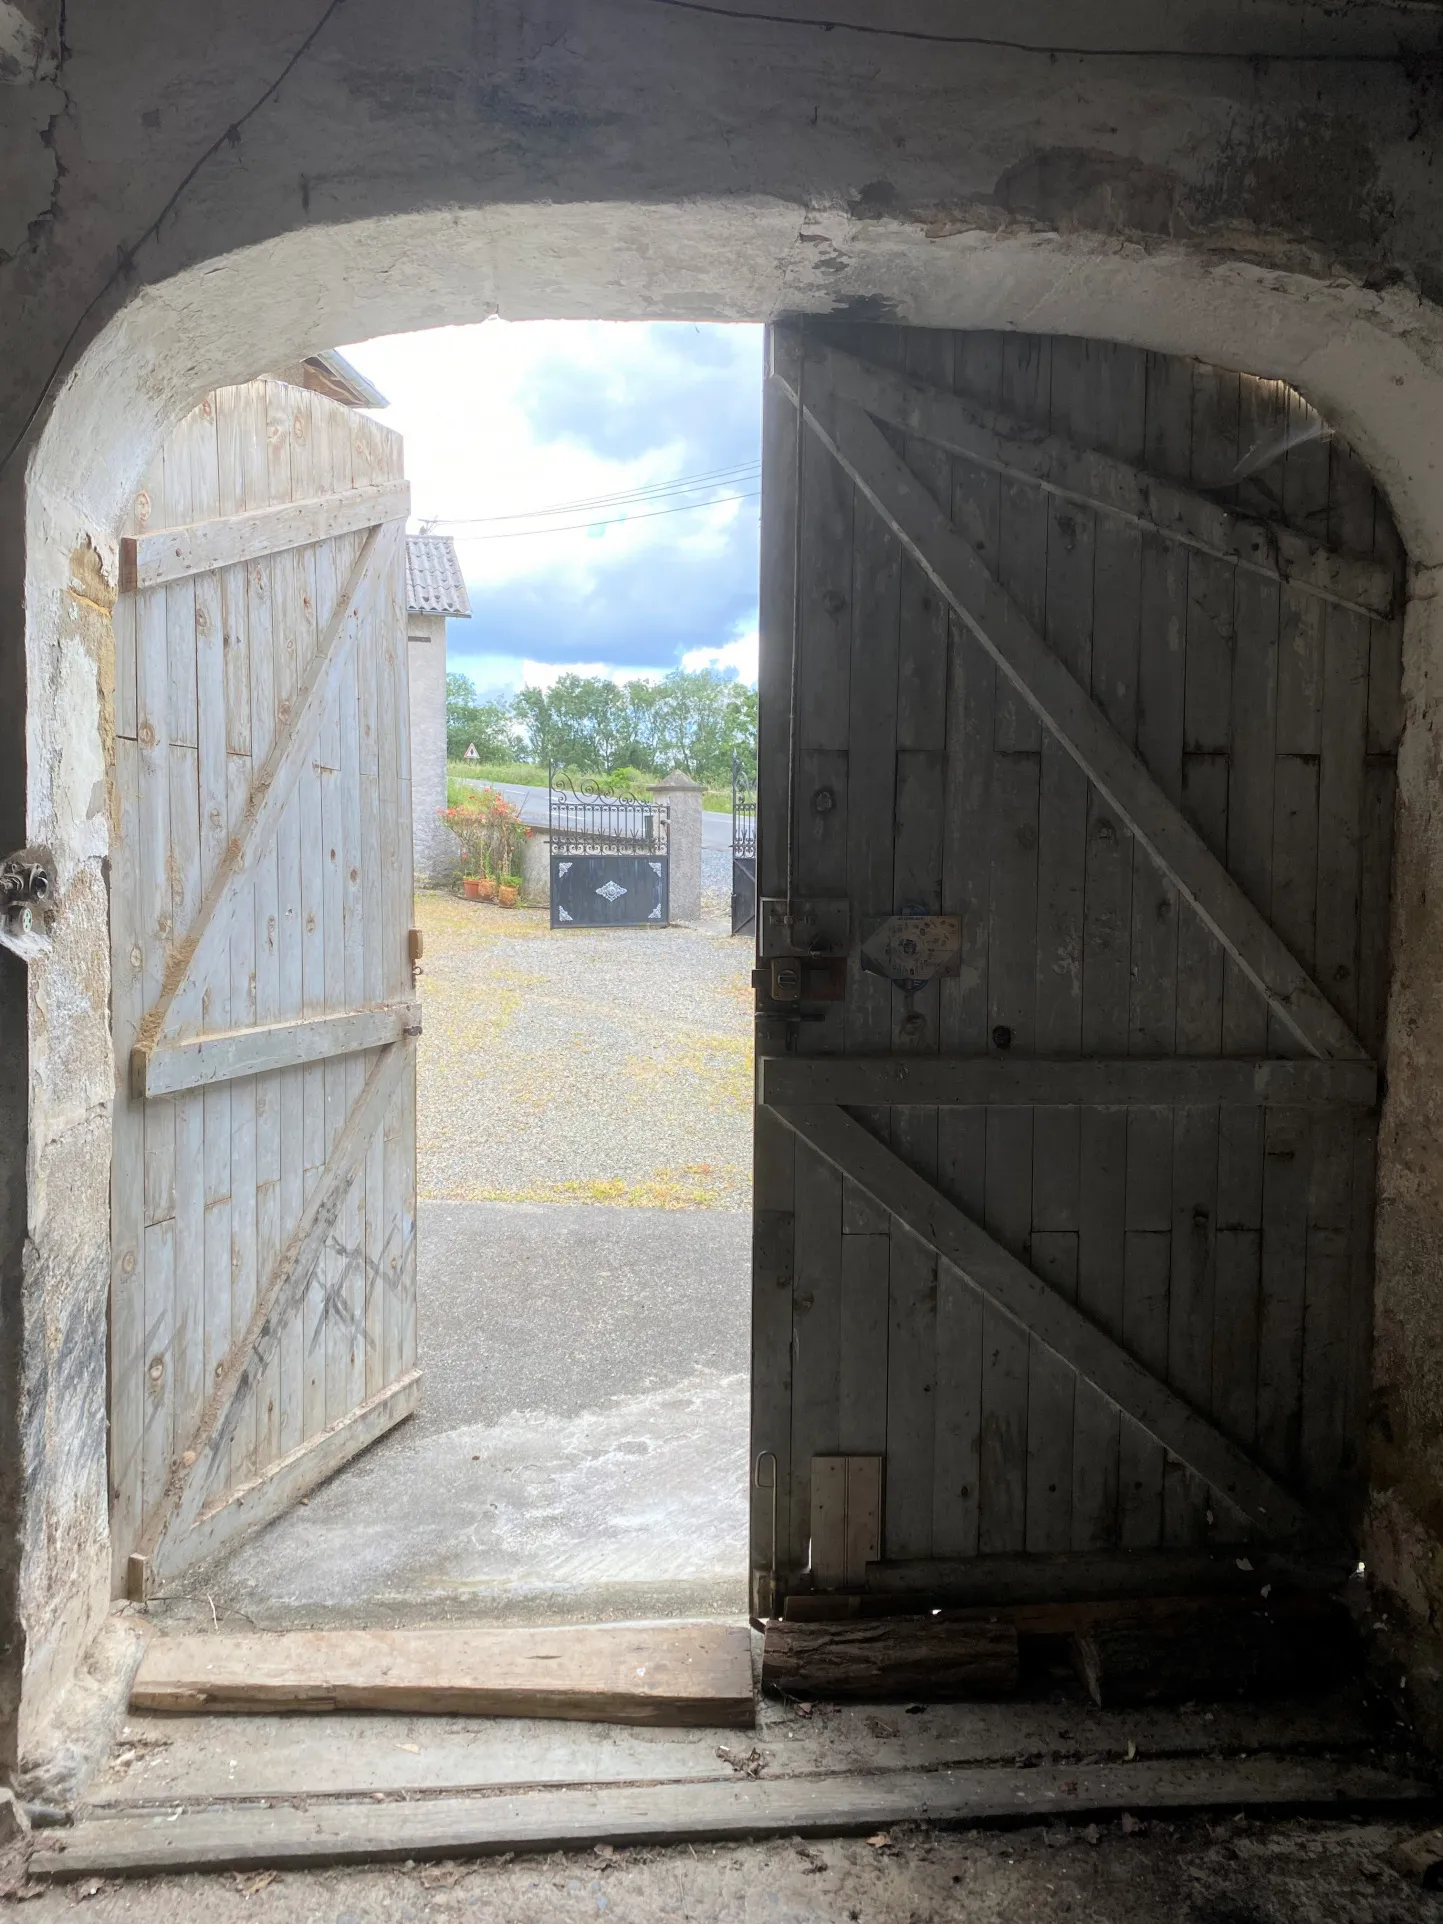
(581, 1448)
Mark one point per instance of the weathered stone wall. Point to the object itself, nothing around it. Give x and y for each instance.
(629, 159)
(435, 846)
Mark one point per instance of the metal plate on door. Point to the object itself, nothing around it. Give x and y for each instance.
(914, 948)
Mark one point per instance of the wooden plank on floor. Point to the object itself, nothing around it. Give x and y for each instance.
(854, 1804)
(667, 1674)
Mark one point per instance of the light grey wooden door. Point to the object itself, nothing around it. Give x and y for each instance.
(1096, 652)
(263, 1171)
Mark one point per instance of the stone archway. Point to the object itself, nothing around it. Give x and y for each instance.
(1369, 362)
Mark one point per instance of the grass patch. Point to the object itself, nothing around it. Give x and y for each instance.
(525, 773)
(716, 801)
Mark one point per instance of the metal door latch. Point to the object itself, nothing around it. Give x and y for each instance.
(27, 887)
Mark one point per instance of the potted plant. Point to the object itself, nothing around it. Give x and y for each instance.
(508, 890)
(491, 834)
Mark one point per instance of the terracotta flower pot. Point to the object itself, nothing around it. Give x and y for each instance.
(507, 897)
(485, 889)
(471, 887)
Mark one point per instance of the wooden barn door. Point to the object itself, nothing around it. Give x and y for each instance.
(1073, 949)
(263, 1235)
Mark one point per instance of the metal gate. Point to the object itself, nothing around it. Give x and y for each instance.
(744, 848)
(610, 860)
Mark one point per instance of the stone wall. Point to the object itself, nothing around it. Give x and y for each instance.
(436, 847)
(1151, 183)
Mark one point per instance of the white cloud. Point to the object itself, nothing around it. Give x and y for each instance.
(472, 453)
(740, 654)
(546, 674)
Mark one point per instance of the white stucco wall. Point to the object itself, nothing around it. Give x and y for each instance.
(435, 846)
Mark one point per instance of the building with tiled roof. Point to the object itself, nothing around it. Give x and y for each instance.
(435, 592)
(434, 583)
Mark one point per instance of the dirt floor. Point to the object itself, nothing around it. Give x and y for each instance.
(1221, 1870)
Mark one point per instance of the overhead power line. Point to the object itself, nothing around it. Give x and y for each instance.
(577, 527)
(644, 492)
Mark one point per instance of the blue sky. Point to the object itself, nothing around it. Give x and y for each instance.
(508, 418)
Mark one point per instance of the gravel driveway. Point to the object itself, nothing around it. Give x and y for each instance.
(575, 1065)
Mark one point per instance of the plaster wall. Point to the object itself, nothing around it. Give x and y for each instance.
(436, 848)
(632, 159)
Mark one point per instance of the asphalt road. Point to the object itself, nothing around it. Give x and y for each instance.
(716, 830)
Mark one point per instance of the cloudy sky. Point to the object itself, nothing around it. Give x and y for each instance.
(558, 454)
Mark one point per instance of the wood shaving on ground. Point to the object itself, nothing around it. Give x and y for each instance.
(440, 1877)
(252, 1883)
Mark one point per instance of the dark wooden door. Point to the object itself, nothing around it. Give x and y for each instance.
(1095, 661)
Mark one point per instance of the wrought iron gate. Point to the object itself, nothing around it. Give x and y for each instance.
(610, 860)
(744, 848)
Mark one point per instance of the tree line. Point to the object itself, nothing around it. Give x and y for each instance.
(690, 721)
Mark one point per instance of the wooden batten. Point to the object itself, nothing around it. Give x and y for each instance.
(1242, 1569)
(171, 554)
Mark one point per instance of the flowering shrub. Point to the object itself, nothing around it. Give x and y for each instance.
(490, 831)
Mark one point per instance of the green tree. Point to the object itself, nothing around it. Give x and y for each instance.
(694, 721)
(689, 721)
(488, 724)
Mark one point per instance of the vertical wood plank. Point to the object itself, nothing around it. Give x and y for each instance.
(1161, 720)
(1022, 528)
(911, 1396)
(292, 625)
(127, 1169)
(1286, 1173)
(1328, 1320)
(816, 1326)
(871, 770)
(308, 479)
(241, 628)
(1012, 947)
(862, 1345)
(159, 1337)
(776, 581)
(1050, 1408)
(1341, 771)
(1117, 419)
(1198, 1031)
(773, 1247)
(1062, 910)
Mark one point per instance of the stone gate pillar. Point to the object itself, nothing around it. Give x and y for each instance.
(683, 797)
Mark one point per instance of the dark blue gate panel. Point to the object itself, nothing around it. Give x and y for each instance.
(744, 894)
(608, 891)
